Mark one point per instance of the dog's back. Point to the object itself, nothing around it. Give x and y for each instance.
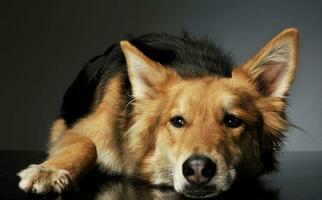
(189, 56)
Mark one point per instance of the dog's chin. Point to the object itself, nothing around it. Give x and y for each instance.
(205, 191)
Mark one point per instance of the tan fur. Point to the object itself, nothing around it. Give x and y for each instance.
(100, 128)
(147, 146)
(57, 130)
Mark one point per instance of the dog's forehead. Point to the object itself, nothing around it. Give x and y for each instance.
(205, 92)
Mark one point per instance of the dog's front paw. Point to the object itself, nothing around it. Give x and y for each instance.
(42, 179)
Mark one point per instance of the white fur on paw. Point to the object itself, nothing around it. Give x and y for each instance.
(41, 179)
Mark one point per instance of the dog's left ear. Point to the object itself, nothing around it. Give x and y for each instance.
(146, 76)
(273, 67)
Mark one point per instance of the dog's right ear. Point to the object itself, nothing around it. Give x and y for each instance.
(146, 75)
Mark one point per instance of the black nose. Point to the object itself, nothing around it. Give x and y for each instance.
(198, 169)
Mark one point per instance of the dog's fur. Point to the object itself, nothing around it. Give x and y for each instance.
(116, 114)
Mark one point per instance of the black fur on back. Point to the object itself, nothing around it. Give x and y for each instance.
(191, 57)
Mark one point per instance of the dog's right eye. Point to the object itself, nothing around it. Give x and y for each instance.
(178, 121)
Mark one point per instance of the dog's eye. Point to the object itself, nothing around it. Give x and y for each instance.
(232, 121)
(178, 121)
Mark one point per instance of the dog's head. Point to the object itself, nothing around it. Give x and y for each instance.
(198, 134)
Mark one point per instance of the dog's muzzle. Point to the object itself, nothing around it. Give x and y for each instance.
(198, 171)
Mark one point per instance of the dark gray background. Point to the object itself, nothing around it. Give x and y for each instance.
(43, 45)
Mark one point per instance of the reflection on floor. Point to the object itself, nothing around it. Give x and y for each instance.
(100, 187)
(299, 178)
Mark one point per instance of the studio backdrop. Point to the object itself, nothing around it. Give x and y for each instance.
(44, 44)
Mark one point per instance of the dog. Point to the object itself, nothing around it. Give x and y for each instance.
(172, 111)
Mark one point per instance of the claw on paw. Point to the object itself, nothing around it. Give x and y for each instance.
(42, 179)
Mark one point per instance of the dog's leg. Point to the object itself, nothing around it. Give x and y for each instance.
(69, 157)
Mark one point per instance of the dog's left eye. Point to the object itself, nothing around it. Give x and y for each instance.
(232, 121)
(178, 121)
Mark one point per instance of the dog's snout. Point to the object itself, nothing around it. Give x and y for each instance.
(198, 169)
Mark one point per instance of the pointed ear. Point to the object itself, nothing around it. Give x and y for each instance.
(146, 75)
(273, 67)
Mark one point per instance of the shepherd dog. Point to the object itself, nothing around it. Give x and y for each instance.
(171, 110)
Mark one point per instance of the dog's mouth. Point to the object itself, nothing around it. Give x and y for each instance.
(205, 191)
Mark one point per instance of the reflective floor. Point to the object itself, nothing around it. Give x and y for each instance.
(300, 177)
